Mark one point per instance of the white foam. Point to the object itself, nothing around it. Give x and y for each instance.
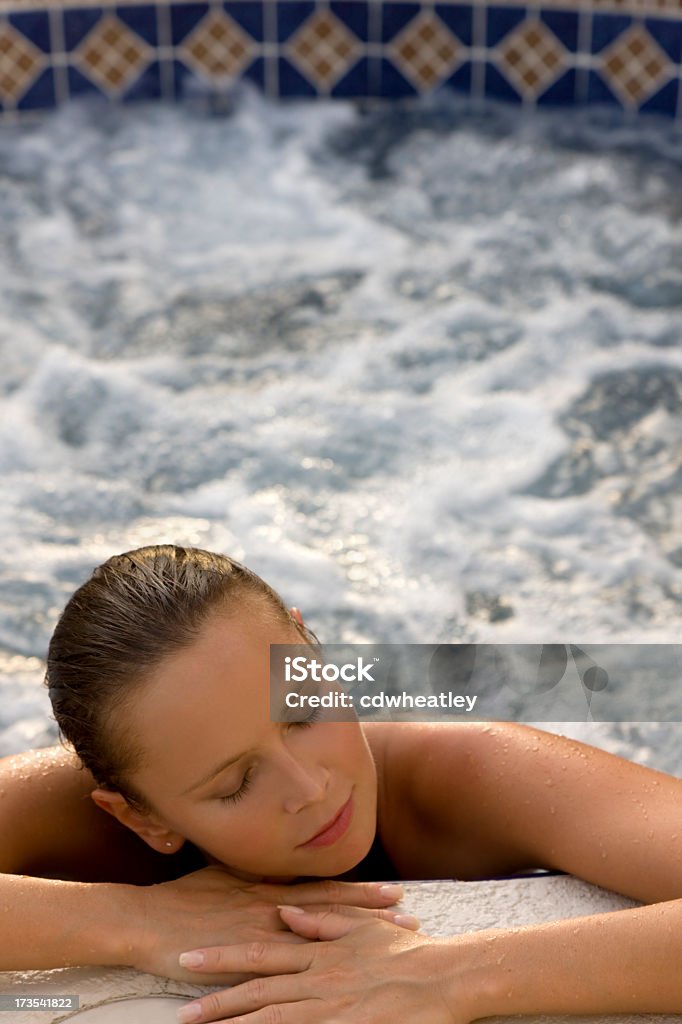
(341, 348)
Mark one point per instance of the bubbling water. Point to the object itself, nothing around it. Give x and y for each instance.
(417, 366)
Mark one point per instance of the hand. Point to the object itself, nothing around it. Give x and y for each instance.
(211, 906)
(365, 970)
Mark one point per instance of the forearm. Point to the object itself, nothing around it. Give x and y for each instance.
(622, 962)
(46, 923)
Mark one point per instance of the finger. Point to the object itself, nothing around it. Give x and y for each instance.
(325, 925)
(402, 920)
(250, 957)
(287, 1013)
(358, 894)
(246, 999)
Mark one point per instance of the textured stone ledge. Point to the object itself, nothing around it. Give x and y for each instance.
(445, 908)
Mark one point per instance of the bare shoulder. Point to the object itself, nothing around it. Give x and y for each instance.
(431, 815)
(477, 800)
(51, 828)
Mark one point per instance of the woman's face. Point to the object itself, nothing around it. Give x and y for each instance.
(249, 792)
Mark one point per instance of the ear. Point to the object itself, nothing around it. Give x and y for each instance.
(144, 825)
(297, 615)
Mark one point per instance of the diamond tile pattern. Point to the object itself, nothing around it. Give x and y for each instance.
(323, 49)
(20, 63)
(532, 57)
(112, 55)
(635, 66)
(218, 48)
(548, 51)
(426, 51)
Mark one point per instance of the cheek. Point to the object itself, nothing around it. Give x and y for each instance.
(346, 745)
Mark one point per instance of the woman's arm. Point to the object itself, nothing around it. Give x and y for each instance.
(621, 962)
(494, 798)
(48, 923)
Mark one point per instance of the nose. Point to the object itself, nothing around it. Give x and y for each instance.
(307, 783)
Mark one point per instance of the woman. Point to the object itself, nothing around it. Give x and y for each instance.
(159, 672)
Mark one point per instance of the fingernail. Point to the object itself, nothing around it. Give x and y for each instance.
(294, 910)
(407, 921)
(392, 892)
(189, 1013)
(194, 959)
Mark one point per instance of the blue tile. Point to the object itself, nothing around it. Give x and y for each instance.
(290, 15)
(185, 18)
(354, 16)
(77, 24)
(561, 92)
(668, 35)
(41, 95)
(664, 101)
(146, 86)
(187, 84)
(501, 21)
(564, 25)
(392, 84)
(142, 21)
(606, 28)
(394, 18)
(35, 26)
(460, 80)
(599, 92)
(248, 16)
(292, 82)
(355, 83)
(499, 86)
(459, 19)
(80, 85)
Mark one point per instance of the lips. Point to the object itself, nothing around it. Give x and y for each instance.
(334, 828)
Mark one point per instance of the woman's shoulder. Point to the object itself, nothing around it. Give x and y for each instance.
(436, 815)
(412, 750)
(423, 767)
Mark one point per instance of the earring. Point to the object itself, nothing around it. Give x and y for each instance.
(169, 844)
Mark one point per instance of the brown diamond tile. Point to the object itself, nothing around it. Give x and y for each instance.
(532, 58)
(426, 51)
(20, 63)
(635, 66)
(323, 49)
(112, 55)
(218, 48)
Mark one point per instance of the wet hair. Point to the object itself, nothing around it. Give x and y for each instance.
(135, 610)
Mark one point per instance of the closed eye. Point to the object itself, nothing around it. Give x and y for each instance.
(246, 781)
(238, 793)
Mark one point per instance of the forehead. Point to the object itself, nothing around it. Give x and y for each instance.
(210, 699)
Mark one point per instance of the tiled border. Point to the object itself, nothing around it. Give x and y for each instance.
(549, 53)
